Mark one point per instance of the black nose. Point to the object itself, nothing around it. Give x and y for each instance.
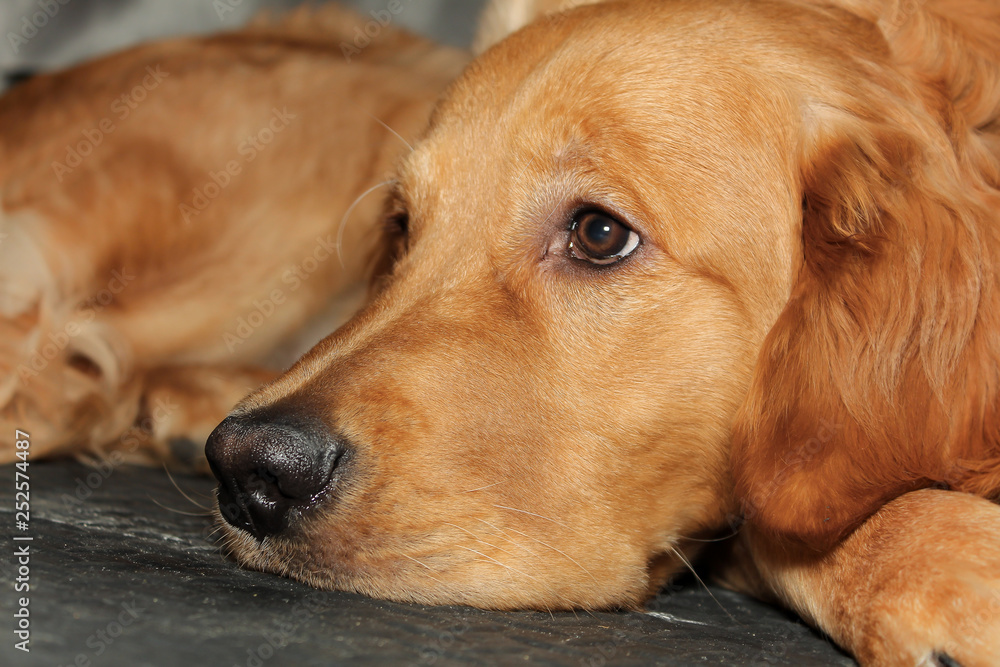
(271, 469)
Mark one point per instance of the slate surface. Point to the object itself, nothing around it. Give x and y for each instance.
(129, 576)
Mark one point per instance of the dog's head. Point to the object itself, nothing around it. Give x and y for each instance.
(594, 240)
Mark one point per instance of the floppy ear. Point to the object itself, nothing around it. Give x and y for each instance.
(501, 18)
(950, 43)
(882, 374)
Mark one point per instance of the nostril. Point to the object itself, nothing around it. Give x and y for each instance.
(270, 471)
(233, 511)
(295, 465)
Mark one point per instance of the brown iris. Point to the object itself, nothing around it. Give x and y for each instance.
(598, 238)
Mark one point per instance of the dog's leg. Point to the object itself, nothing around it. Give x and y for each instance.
(918, 581)
(62, 369)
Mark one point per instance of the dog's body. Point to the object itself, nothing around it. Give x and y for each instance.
(657, 264)
(173, 221)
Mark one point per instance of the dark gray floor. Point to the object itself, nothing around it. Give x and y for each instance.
(128, 576)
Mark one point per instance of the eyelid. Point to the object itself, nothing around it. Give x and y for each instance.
(627, 218)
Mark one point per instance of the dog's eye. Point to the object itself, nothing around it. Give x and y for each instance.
(600, 239)
(398, 224)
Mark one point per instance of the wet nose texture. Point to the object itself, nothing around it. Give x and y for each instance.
(271, 469)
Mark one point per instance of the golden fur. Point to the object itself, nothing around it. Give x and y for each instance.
(127, 294)
(807, 334)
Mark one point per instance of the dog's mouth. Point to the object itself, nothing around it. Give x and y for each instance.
(483, 565)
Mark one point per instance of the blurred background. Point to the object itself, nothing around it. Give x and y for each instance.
(40, 35)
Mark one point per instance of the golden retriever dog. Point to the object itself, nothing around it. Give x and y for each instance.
(173, 222)
(657, 262)
(654, 264)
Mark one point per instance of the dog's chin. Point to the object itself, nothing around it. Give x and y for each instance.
(279, 556)
(453, 578)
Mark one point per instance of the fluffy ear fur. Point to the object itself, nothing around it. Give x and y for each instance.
(504, 17)
(882, 375)
(950, 45)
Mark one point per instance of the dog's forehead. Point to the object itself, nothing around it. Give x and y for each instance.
(601, 81)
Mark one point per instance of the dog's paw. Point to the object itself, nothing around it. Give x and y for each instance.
(954, 620)
(933, 584)
(182, 406)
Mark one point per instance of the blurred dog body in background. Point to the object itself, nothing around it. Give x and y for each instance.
(174, 222)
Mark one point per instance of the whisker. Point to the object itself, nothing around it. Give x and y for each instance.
(350, 209)
(484, 487)
(214, 532)
(181, 491)
(525, 167)
(549, 216)
(494, 560)
(567, 556)
(379, 121)
(715, 539)
(425, 565)
(207, 512)
(687, 564)
(509, 576)
(480, 540)
(503, 534)
(514, 509)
